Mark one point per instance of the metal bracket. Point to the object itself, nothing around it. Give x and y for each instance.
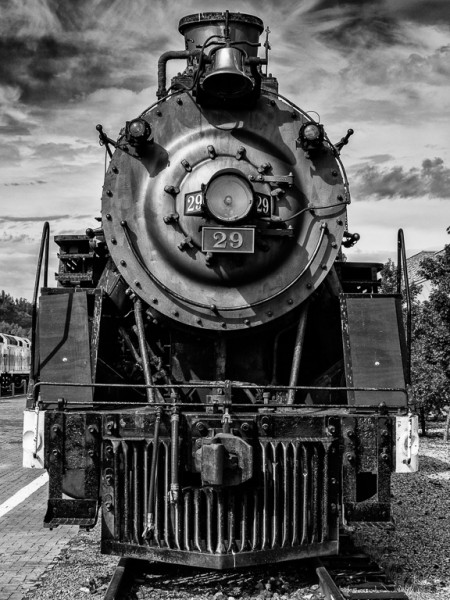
(289, 232)
(280, 179)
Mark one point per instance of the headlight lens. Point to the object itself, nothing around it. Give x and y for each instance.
(229, 197)
(311, 132)
(311, 136)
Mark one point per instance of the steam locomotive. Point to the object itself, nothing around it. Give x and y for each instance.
(210, 370)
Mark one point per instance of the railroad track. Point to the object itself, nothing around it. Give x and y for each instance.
(123, 578)
(355, 577)
(348, 577)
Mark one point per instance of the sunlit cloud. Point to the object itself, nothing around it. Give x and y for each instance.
(432, 179)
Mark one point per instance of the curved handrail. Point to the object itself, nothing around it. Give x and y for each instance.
(402, 269)
(43, 254)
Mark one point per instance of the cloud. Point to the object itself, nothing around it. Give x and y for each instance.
(78, 47)
(10, 154)
(19, 238)
(16, 183)
(375, 69)
(13, 126)
(434, 12)
(15, 219)
(378, 158)
(50, 71)
(18, 260)
(432, 179)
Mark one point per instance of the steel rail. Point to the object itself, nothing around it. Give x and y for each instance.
(332, 591)
(123, 577)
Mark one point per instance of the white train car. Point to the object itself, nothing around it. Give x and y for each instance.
(14, 362)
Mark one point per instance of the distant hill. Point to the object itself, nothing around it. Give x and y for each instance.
(15, 315)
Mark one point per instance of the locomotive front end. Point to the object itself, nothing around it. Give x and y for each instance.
(212, 372)
(216, 217)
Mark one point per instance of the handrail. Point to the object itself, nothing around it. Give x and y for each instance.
(225, 385)
(402, 268)
(43, 254)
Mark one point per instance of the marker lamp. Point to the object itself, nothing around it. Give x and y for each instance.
(310, 136)
(137, 131)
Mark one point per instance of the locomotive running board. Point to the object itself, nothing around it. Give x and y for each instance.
(374, 344)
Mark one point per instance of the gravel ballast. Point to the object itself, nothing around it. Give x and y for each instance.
(415, 553)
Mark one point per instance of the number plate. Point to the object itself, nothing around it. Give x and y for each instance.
(221, 239)
(264, 205)
(193, 204)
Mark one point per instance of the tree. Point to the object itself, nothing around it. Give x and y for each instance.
(15, 315)
(436, 328)
(430, 347)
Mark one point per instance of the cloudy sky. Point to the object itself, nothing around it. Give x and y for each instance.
(380, 67)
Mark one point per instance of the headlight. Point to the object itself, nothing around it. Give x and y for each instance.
(229, 197)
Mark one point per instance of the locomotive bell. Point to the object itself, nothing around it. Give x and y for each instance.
(227, 76)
